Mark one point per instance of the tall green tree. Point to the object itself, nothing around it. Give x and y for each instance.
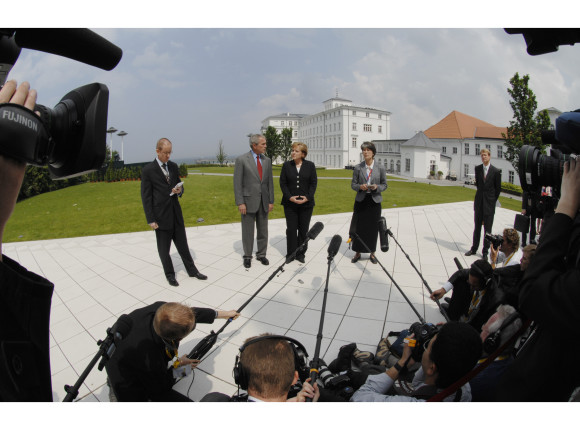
(527, 125)
(221, 154)
(286, 144)
(273, 143)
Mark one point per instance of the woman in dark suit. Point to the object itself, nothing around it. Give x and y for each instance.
(298, 182)
(369, 180)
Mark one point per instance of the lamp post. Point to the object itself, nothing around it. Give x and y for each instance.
(111, 130)
(122, 134)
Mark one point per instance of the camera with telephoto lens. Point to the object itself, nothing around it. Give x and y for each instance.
(539, 170)
(423, 332)
(495, 239)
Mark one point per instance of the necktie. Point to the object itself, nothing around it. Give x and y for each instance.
(259, 167)
(484, 173)
(166, 172)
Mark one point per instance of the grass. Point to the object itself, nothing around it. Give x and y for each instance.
(109, 208)
(322, 173)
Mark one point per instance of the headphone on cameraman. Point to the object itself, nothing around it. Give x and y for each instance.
(493, 340)
(479, 274)
(241, 375)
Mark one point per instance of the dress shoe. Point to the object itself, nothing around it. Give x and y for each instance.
(199, 276)
(247, 263)
(263, 260)
(355, 258)
(373, 259)
(301, 259)
(470, 252)
(172, 281)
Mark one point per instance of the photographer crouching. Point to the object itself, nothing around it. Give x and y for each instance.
(507, 251)
(550, 296)
(445, 358)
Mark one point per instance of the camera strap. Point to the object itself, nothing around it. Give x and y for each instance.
(22, 134)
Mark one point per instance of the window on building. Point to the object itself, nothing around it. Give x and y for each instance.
(455, 149)
(354, 142)
(380, 128)
(499, 151)
(368, 127)
(380, 116)
(368, 114)
(392, 165)
(511, 176)
(500, 174)
(407, 165)
(488, 147)
(354, 126)
(282, 123)
(353, 113)
(467, 149)
(477, 149)
(444, 150)
(295, 133)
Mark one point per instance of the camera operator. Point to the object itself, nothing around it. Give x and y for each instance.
(24, 296)
(447, 356)
(509, 252)
(138, 370)
(267, 368)
(476, 294)
(550, 295)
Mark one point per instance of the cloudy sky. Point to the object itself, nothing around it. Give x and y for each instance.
(198, 86)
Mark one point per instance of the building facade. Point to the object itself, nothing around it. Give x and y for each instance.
(282, 121)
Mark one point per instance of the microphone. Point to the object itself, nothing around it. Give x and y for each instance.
(79, 44)
(334, 246)
(383, 234)
(315, 230)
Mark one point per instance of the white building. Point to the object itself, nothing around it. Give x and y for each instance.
(282, 121)
(335, 134)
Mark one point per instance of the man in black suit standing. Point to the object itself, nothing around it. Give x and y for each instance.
(160, 189)
(488, 183)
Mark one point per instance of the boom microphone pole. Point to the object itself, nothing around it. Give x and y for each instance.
(390, 233)
(209, 341)
(118, 332)
(357, 237)
(314, 364)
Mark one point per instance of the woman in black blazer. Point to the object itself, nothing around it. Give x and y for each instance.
(298, 182)
(369, 180)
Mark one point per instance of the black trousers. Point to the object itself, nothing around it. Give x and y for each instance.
(532, 231)
(460, 300)
(487, 222)
(297, 225)
(179, 238)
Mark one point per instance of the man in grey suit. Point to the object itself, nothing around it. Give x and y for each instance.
(488, 183)
(254, 193)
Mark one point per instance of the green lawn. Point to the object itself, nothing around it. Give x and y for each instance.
(106, 208)
(322, 173)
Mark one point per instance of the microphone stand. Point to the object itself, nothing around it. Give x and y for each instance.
(315, 363)
(107, 347)
(420, 275)
(357, 237)
(204, 345)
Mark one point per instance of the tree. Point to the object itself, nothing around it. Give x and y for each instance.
(273, 143)
(286, 144)
(221, 155)
(524, 129)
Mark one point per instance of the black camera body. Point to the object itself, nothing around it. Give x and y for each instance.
(423, 332)
(539, 170)
(495, 239)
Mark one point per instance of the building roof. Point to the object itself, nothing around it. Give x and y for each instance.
(458, 125)
(422, 141)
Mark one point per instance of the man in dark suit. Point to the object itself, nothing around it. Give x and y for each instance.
(160, 189)
(488, 183)
(254, 194)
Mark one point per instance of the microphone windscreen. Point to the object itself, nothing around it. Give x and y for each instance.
(315, 230)
(334, 245)
(383, 238)
(79, 44)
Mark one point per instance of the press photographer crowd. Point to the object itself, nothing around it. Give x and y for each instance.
(502, 319)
